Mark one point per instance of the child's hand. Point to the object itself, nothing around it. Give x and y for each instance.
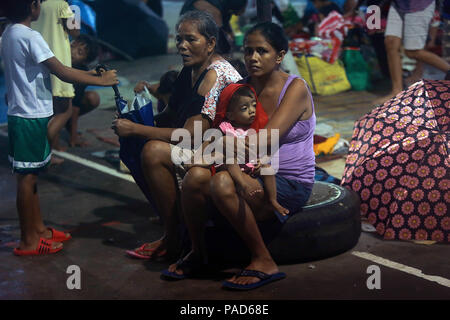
(109, 78)
(123, 127)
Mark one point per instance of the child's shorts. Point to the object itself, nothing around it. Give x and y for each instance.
(29, 149)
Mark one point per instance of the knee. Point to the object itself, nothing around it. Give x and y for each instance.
(222, 186)
(412, 54)
(196, 179)
(392, 43)
(92, 98)
(153, 153)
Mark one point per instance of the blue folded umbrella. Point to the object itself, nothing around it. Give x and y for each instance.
(131, 147)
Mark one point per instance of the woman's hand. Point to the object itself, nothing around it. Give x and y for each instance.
(141, 86)
(123, 127)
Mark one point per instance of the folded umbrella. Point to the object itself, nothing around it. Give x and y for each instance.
(131, 147)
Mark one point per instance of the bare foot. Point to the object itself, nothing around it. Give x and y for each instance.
(78, 142)
(33, 245)
(48, 234)
(250, 191)
(59, 148)
(153, 248)
(191, 260)
(411, 80)
(264, 265)
(278, 207)
(382, 100)
(56, 160)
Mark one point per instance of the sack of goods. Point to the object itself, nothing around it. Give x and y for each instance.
(323, 78)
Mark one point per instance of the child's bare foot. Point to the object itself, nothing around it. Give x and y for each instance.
(411, 80)
(278, 207)
(48, 234)
(382, 100)
(56, 160)
(78, 142)
(57, 147)
(34, 244)
(250, 191)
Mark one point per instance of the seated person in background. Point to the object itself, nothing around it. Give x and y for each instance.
(84, 51)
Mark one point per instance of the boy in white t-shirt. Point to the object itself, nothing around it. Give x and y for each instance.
(28, 64)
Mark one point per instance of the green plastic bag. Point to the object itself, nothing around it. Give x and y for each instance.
(357, 69)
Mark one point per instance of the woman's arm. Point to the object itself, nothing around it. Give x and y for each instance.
(296, 104)
(125, 128)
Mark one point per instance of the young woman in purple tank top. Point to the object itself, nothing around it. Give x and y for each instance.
(288, 104)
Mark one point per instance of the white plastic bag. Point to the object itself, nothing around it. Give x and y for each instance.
(141, 99)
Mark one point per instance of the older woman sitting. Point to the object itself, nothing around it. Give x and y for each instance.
(194, 99)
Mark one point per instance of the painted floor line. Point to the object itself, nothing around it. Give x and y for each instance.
(401, 267)
(93, 165)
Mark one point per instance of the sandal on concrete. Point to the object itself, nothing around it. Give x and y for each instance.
(190, 268)
(264, 279)
(135, 253)
(44, 247)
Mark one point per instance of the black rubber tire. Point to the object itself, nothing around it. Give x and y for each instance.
(329, 224)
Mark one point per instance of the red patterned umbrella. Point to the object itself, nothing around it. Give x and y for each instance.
(399, 164)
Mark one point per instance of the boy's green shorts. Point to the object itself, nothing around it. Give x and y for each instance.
(29, 149)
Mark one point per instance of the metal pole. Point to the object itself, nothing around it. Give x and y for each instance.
(264, 9)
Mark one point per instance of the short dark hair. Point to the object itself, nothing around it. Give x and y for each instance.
(91, 47)
(244, 91)
(273, 33)
(167, 81)
(206, 25)
(17, 10)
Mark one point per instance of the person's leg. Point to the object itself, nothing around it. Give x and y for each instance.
(242, 218)
(428, 57)
(416, 75)
(159, 174)
(89, 102)
(417, 27)
(393, 41)
(194, 194)
(27, 202)
(62, 112)
(73, 130)
(270, 187)
(40, 227)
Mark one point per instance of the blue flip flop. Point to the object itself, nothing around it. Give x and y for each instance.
(190, 268)
(173, 275)
(264, 279)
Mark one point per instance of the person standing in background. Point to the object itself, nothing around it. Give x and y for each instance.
(408, 24)
(53, 25)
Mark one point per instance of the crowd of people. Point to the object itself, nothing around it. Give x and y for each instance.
(41, 65)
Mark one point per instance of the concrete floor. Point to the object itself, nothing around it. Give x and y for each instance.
(107, 215)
